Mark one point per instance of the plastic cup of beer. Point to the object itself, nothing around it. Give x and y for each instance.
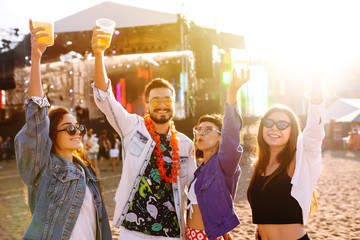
(107, 26)
(48, 24)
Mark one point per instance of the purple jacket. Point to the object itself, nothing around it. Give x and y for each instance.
(216, 183)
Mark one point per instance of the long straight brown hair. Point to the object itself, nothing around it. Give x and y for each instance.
(56, 115)
(263, 149)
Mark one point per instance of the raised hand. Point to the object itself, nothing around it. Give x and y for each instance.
(316, 91)
(237, 81)
(37, 49)
(98, 49)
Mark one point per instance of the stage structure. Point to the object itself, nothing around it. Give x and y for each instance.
(145, 45)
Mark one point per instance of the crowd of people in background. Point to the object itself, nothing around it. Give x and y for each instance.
(107, 147)
(103, 148)
(6, 148)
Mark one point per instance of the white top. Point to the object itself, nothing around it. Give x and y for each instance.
(192, 197)
(114, 152)
(308, 158)
(85, 226)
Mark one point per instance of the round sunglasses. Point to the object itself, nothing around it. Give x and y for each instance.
(281, 125)
(204, 131)
(71, 129)
(156, 101)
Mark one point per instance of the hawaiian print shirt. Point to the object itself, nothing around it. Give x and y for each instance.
(152, 210)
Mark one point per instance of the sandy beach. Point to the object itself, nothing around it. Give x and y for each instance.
(338, 194)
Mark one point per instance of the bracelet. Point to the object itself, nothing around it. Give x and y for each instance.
(316, 100)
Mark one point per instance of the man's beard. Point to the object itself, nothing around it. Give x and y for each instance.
(161, 120)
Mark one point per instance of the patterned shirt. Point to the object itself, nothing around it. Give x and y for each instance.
(152, 210)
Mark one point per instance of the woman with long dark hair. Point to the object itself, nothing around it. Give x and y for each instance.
(286, 170)
(64, 194)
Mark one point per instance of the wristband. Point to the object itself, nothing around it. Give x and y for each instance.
(316, 100)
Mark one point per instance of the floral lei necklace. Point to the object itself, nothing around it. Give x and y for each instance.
(159, 152)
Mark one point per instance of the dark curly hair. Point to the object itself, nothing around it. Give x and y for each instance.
(217, 120)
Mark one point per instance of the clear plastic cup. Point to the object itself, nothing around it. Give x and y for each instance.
(106, 25)
(48, 24)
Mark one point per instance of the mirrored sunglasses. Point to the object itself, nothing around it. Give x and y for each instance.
(204, 131)
(154, 102)
(71, 129)
(281, 125)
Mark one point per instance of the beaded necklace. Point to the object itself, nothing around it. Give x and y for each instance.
(175, 170)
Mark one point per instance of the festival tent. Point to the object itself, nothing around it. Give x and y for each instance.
(123, 15)
(351, 117)
(139, 31)
(341, 108)
(194, 70)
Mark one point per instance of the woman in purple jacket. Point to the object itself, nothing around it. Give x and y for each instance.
(211, 213)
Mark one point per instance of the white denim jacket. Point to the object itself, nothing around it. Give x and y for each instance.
(137, 147)
(308, 158)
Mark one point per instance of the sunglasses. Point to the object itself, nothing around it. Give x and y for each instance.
(71, 129)
(204, 131)
(154, 102)
(281, 125)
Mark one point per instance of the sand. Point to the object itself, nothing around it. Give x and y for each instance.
(338, 195)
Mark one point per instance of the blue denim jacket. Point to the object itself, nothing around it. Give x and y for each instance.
(216, 183)
(56, 189)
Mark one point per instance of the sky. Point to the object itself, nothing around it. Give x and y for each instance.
(306, 33)
(272, 28)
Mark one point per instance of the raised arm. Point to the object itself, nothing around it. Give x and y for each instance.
(117, 116)
(230, 149)
(308, 153)
(237, 81)
(32, 143)
(314, 131)
(37, 50)
(101, 79)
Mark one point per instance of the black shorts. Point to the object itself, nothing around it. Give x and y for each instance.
(305, 237)
(103, 153)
